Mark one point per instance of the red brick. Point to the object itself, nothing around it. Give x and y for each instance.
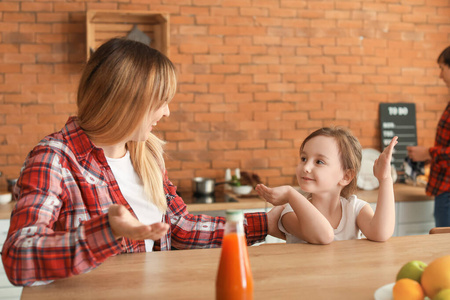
(35, 7)
(18, 37)
(209, 78)
(237, 59)
(254, 11)
(237, 3)
(18, 17)
(225, 69)
(52, 17)
(69, 7)
(311, 14)
(223, 49)
(9, 6)
(225, 11)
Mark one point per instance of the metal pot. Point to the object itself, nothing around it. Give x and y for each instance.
(11, 184)
(204, 186)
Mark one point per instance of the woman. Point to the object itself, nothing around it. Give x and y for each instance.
(439, 155)
(98, 187)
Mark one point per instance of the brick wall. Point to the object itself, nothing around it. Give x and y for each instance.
(255, 77)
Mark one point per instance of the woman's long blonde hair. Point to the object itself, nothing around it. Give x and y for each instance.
(121, 84)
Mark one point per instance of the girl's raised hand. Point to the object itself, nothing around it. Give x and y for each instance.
(382, 166)
(275, 196)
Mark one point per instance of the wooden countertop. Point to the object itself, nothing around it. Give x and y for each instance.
(352, 269)
(5, 209)
(403, 192)
(252, 201)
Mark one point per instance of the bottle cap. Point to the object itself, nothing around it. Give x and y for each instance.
(235, 215)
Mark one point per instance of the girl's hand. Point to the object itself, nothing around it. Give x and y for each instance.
(382, 166)
(275, 196)
(124, 224)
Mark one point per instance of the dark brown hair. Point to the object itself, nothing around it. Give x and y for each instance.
(444, 57)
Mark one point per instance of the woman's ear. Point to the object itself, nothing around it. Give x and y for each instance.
(347, 178)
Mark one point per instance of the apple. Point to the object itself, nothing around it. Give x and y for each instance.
(412, 270)
(442, 295)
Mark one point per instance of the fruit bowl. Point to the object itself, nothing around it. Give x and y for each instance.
(242, 190)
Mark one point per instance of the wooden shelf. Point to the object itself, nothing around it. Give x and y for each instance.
(102, 25)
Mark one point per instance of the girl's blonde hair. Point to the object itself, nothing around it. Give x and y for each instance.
(121, 84)
(350, 151)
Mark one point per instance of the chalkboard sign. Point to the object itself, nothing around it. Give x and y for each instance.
(398, 119)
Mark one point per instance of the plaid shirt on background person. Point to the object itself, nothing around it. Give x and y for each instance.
(60, 226)
(439, 179)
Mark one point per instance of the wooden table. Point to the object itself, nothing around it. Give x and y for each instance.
(342, 270)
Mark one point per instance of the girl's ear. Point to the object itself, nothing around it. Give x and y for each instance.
(347, 178)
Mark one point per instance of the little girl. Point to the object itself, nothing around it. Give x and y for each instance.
(330, 159)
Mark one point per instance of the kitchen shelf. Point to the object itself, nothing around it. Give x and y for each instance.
(102, 25)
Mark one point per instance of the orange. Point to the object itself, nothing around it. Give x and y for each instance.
(407, 289)
(436, 276)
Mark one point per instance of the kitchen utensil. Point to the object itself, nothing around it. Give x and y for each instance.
(11, 184)
(204, 186)
(242, 190)
(366, 180)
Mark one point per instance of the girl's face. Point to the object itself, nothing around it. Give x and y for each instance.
(445, 73)
(320, 168)
(143, 131)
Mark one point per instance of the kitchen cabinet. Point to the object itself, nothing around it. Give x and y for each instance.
(411, 217)
(7, 290)
(415, 217)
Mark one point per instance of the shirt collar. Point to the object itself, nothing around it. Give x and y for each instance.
(79, 141)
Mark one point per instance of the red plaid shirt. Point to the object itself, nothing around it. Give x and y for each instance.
(439, 180)
(60, 227)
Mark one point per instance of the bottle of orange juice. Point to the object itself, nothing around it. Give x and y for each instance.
(234, 277)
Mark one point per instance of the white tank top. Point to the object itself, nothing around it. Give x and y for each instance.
(133, 190)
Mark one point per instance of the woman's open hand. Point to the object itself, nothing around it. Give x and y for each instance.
(382, 166)
(124, 224)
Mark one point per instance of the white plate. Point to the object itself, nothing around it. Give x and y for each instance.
(384, 292)
(5, 197)
(366, 180)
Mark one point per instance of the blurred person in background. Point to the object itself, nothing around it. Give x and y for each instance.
(438, 155)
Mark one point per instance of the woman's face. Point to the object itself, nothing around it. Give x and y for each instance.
(445, 73)
(150, 121)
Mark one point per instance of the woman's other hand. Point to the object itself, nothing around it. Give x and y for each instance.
(272, 219)
(124, 224)
(418, 153)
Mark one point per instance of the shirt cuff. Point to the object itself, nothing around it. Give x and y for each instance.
(100, 240)
(256, 228)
